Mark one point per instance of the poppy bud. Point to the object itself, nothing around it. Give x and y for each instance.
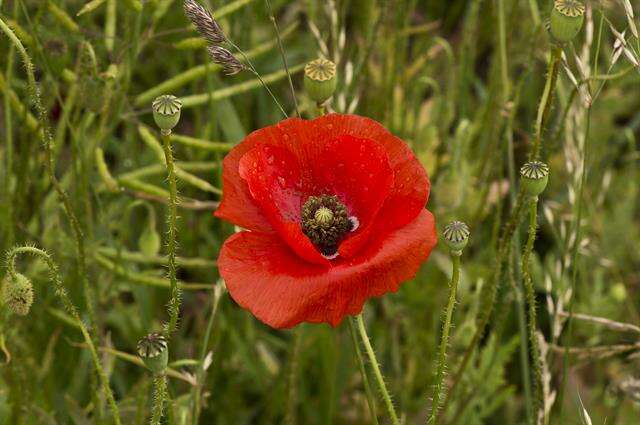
(456, 236)
(320, 79)
(17, 294)
(166, 111)
(149, 241)
(154, 352)
(566, 19)
(535, 176)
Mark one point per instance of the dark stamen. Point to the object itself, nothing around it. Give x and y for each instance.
(325, 220)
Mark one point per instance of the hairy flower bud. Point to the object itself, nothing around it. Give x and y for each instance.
(456, 235)
(320, 79)
(154, 352)
(166, 111)
(566, 19)
(17, 294)
(535, 176)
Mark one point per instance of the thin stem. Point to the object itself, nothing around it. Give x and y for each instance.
(531, 304)
(290, 414)
(376, 371)
(444, 341)
(172, 218)
(284, 57)
(159, 397)
(253, 70)
(61, 292)
(363, 372)
(545, 101)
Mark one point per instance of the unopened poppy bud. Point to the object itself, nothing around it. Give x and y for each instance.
(149, 241)
(456, 236)
(166, 111)
(320, 79)
(535, 176)
(566, 19)
(17, 294)
(154, 352)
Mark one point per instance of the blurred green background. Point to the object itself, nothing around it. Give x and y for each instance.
(460, 81)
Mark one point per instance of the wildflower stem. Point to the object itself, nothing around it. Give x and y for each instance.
(444, 341)
(61, 292)
(363, 371)
(284, 57)
(255, 72)
(290, 414)
(376, 370)
(172, 218)
(531, 303)
(159, 397)
(545, 101)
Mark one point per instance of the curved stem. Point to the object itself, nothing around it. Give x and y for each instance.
(531, 304)
(363, 372)
(376, 371)
(444, 341)
(71, 309)
(172, 218)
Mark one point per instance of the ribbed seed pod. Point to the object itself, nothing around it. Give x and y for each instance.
(456, 235)
(166, 111)
(154, 352)
(535, 176)
(320, 79)
(566, 19)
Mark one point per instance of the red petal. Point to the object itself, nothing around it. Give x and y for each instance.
(275, 181)
(282, 290)
(410, 189)
(237, 205)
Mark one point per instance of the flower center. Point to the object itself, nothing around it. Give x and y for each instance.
(325, 221)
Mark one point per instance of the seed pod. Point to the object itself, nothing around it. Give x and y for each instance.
(166, 111)
(320, 79)
(17, 294)
(535, 176)
(566, 19)
(154, 352)
(456, 235)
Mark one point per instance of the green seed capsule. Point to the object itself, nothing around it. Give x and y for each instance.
(535, 176)
(154, 352)
(566, 19)
(456, 235)
(166, 111)
(320, 79)
(17, 294)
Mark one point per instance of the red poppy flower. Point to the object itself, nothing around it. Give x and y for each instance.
(334, 209)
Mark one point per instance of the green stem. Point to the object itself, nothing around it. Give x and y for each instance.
(159, 397)
(444, 341)
(284, 57)
(172, 218)
(531, 303)
(363, 372)
(545, 101)
(376, 371)
(71, 309)
(290, 414)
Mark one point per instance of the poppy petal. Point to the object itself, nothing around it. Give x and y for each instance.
(275, 180)
(282, 290)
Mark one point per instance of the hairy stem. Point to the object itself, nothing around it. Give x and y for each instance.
(363, 372)
(545, 101)
(172, 218)
(71, 309)
(444, 341)
(531, 304)
(376, 371)
(159, 397)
